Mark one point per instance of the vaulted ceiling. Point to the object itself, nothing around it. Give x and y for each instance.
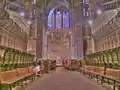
(41, 4)
(14, 7)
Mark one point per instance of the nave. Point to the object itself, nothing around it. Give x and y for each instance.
(62, 79)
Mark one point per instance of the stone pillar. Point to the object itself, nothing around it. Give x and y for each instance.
(79, 41)
(78, 30)
(45, 45)
(39, 38)
(76, 51)
(71, 48)
(118, 40)
(93, 45)
(72, 26)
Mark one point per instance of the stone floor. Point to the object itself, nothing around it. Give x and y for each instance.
(62, 79)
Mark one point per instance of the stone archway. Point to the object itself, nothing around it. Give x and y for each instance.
(51, 6)
(55, 4)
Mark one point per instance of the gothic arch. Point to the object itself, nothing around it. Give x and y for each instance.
(59, 18)
(55, 4)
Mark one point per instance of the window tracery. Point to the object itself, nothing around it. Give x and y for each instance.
(58, 19)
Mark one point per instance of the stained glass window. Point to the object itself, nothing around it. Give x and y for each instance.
(58, 19)
(51, 19)
(66, 20)
(86, 8)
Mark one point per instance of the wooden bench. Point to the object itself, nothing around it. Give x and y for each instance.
(96, 72)
(14, 78)
(26, 73)
(86, 70)
(110, 76)
(22, 71)
(93, 72)
(8, 79)
(31, 71)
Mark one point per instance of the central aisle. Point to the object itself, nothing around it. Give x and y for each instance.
(62, 79)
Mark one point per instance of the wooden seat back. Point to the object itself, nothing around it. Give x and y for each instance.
(90, 68)
(8, 75)
(113, 73)
(95, 69)
(22, 71)
(99, 70)
(31, 69)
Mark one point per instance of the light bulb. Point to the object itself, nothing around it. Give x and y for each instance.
(22, 14)
(99, 12)
(29, 22)
(90, 22)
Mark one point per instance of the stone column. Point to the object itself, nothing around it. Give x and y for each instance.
(79, 41)
(39, 38)
(78, 30)
(71, 48)
(118, 40)
(72, 26)
(76, 51)
(93, 45)
(87, 39)
(45, 45)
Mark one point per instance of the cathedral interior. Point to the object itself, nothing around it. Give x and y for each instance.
(81, 35)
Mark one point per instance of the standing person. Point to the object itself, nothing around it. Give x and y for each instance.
(55, 64)
(37, 69)
(35, 64)
(42, 68)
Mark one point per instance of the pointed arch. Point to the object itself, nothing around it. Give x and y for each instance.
(58, 19)
(66, 20)
(56, 4)
(50, 20)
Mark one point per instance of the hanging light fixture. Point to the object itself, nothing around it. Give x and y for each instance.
(29, 22)
(99, 12)
(22, 14)
(90, 22)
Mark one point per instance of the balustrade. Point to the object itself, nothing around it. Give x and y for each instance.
(16, 67)
(108, 58)
(13, 59)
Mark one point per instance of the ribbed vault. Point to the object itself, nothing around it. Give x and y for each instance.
(56, 4)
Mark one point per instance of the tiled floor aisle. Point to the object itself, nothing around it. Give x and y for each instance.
(62, 79)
